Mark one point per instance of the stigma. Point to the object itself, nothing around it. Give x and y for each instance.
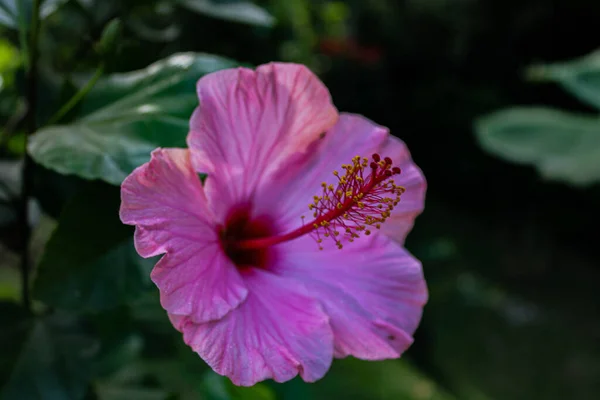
(361, 200)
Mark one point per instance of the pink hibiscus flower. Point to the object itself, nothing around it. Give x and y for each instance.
(276, 264)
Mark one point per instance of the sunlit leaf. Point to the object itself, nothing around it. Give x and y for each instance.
(90, 262)
(237, 11)
(125, 117)
(562, 146)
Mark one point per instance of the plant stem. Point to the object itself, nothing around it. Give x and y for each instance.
(68, 106)
(27, 161)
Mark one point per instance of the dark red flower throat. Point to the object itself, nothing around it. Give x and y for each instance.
(240, 226)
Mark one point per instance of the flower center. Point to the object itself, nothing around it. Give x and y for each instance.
(362, 199)
(239, 227)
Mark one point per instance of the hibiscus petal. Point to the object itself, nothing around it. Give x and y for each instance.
(352, 135)
(166, 202)
(412, 201)
(278, 332)
(250, 122)
(373, 291)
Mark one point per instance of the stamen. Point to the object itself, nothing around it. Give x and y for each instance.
(364, 197)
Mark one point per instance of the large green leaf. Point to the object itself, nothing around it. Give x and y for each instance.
(125, 117)
(90, 262)
(237, 11)
(581, 77)
(53, 360)
(562, 146)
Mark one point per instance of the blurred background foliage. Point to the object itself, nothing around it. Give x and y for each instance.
(497, 99)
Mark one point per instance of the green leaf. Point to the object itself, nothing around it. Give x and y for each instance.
(125, 117)
(90, 262)
(10, 11)
(53, 361)
(562, 146)
(217, 387)
(581, 77)
(130, 382)
(353, 379)
(237, 11)
(15, 325)
(129, 392)
(111, 36)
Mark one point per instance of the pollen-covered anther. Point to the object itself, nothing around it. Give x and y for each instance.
(364, 195)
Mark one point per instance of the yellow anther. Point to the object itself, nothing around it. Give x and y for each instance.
(364, 205)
